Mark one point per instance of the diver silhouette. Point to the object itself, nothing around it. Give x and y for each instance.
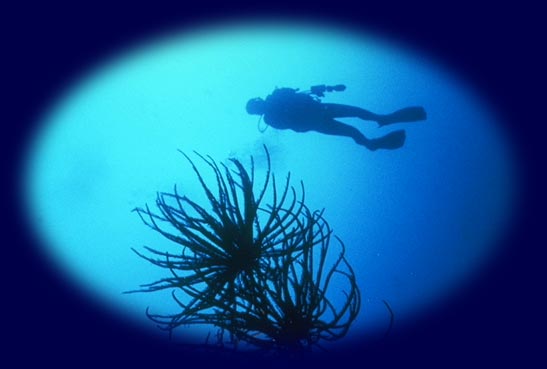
(303, 111)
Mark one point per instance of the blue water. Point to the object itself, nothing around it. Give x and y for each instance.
(419, 223)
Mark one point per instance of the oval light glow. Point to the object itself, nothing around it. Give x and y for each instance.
(417, 222)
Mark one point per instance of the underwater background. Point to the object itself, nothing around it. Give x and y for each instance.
(419, 223)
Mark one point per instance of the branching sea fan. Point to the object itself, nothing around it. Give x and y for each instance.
(256, 271)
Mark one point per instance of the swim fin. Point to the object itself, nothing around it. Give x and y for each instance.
(410, 114)
(391, 141)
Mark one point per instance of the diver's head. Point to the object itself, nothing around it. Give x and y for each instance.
(256, 106)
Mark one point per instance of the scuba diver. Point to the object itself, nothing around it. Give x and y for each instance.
(303, 111)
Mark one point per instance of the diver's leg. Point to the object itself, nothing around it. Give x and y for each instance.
(392, 140)
(410, 114)
(336, 128)
(348, 111)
